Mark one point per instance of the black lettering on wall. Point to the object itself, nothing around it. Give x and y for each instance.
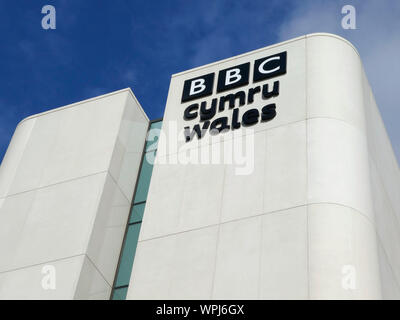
(270, 67)
(196, 130)
(250, 117)
(228, 79)
(207, 114)
(235, 118)
(268, 112)
(191, 112)
(198, 87)
(252, 92)
(241, 95)
(233, 77)
(219, 125)
(269, 94)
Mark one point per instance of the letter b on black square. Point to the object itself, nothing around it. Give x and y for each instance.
(269, 67)
(198, 87)
(233, 77)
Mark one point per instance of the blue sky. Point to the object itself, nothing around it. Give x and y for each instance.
(100, 46)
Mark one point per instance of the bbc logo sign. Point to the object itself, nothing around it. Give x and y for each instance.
(234, 77)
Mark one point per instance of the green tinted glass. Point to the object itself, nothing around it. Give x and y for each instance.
(137, 213)
(144, 178)
(153, 136)
(128, 255)
(120, 294)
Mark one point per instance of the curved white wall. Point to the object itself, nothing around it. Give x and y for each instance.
(311, 210)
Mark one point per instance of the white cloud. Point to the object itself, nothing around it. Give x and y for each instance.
(376, 38)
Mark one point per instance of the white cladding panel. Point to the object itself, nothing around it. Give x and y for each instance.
(66, 184)
(318, 208)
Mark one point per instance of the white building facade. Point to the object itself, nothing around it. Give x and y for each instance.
(274, 178)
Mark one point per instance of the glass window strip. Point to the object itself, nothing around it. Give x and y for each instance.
(119, 290)
(137, 213)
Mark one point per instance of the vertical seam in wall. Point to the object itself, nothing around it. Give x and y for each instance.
(20, 160)
(98, 270)
(372, 162)
(367, 112)
(260, 258)
(7, 191)
(307, 168)
(117, 268)
(98, 205)
(117, 186)
(261, 217)
(383, 250)
(218, 234)
(29, 210)
(77, 280)
(380, 119)
(117, 134)
(184, 191)
(379, 239)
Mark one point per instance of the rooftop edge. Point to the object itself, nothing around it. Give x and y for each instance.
(317, 34)
(85, 101)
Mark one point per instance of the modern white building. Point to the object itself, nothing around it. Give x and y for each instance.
(290, 191)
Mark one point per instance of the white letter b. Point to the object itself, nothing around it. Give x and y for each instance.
(232, 76)
(197, 86)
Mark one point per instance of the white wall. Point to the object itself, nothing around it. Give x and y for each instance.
(66, 184)
(323, 195)
(385, 188)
